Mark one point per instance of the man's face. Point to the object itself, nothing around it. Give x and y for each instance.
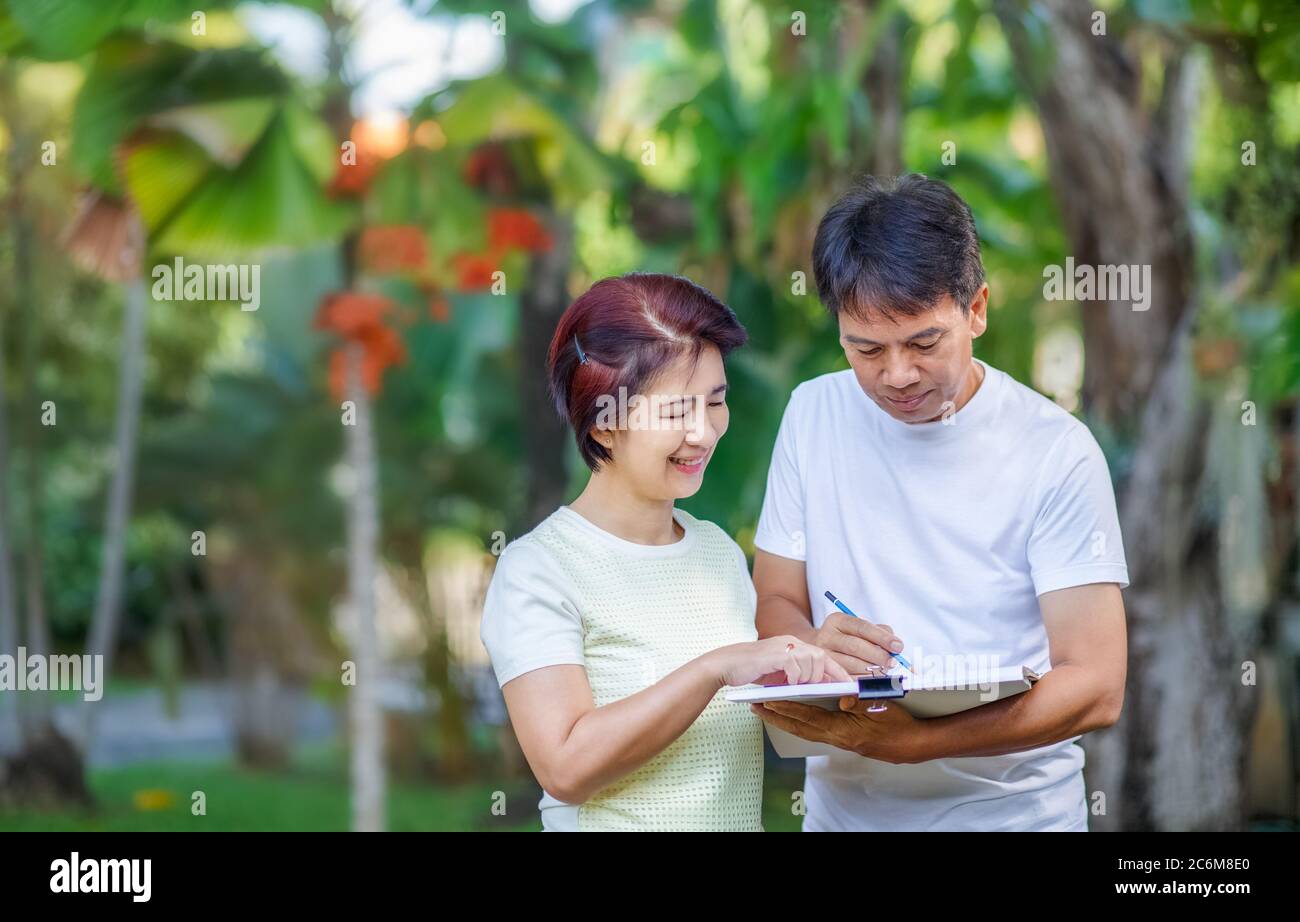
(916, 368)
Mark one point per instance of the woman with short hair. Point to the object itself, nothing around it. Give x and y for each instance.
(614, 626)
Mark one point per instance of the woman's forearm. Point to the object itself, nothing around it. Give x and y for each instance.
(610, 742)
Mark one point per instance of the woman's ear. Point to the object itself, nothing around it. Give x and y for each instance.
(602, 437)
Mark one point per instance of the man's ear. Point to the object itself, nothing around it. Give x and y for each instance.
(979, 311)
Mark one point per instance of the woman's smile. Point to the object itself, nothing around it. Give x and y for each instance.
(690, 465)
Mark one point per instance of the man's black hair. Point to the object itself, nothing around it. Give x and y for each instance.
(897, 247)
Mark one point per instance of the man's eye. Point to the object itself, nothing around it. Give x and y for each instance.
(869, 353)
(926, 347)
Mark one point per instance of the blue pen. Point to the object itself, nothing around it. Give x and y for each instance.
(848, 611)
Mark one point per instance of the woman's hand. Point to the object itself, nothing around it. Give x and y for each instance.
(778, 657)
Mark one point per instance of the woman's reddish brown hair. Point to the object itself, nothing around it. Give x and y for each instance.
(630, 328)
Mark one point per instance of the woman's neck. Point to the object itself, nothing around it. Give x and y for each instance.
(609, 505)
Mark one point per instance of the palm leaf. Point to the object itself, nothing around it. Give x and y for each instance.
(61, 29)
(225, 130)
(270, 199)
(160, 169)
(132, 80)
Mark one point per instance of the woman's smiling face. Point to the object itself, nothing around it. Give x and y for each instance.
(661, 448)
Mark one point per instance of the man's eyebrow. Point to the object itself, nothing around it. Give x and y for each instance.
(862, 341)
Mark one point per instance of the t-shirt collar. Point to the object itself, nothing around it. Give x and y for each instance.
(680, 546)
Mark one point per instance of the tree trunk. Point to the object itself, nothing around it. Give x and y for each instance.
(38, 765)
(36, 713)
(108, 597)
(884, 88)
(1175, 759)
(369, 812)
(10, 738)
(1119, 172)
(543, 300)
(367, 718)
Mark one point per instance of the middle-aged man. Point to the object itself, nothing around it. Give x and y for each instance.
(961, 515)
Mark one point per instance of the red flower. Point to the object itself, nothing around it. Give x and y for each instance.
(380, 349)
(351, 313)
(392, 248)
(339, 372)
(516, 228)
(474, 270)
(383, 349)
(358, 318)
(352, 179)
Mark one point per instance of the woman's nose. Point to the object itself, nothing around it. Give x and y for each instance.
(700, 431)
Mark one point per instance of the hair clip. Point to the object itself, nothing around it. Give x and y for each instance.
(582, 356)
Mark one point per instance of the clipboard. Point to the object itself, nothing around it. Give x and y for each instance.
(923, 698)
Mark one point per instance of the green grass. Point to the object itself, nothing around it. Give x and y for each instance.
(312, 796)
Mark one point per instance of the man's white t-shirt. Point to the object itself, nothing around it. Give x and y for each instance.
(947, 531)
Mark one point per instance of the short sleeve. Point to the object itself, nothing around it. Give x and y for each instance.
(781, 522)
(1076, 538)
(529, 621)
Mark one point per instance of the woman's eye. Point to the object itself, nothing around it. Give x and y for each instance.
(718, 403)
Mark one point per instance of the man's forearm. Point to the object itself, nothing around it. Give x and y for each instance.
(778, 615)
(1064, 703)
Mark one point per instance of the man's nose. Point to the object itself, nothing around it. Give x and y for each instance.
(899, 372)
